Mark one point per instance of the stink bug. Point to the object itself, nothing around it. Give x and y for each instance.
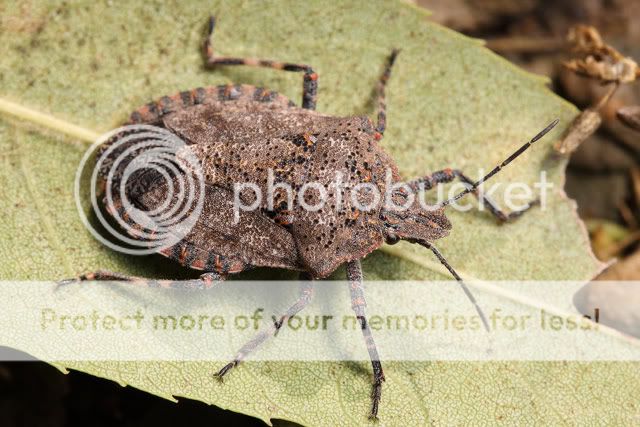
(242, 133)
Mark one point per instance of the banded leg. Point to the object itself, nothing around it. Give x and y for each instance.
(358, 304)
(309, 80)
(456, 276)
(306, 293)
(382, 83)
(448, 175)
(205, 281)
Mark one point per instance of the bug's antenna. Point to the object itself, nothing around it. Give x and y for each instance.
(497, 169)
(463, 285)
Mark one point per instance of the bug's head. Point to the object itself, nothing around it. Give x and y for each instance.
(415, 224)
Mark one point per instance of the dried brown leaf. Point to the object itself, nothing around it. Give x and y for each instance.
(630, 116)
(598, 59)
(587, 40)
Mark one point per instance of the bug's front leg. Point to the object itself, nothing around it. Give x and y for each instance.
(358, 304)
(448, 175)
(205, 281)
(309, 80)
(461, 282)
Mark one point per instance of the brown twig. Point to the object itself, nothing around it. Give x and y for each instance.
(526, 44)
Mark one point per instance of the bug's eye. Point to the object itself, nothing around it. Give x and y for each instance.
(392, 239)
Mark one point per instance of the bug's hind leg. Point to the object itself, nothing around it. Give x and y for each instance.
(381, 109)
(358, 304)
(205, 280)
(310, 78)
(306, 293)
(448, 175)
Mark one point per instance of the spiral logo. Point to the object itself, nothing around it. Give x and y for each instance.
(152, 184)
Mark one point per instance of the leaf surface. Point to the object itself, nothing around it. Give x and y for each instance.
(451, 103)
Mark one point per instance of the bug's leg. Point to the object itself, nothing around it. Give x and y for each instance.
(309, 80)
(306, 293)
(448, 175)
(205, 280)
(358, 304)
(456, 276)
(380, 88)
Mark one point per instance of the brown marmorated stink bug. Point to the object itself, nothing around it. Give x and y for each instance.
(241, 133)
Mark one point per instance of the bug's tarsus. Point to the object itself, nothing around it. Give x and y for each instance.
(463, 285)
(222, 372)
(497, 169)
(358, 304)
(380, 92)
(310, 78)
(304, 298)
(277, 324)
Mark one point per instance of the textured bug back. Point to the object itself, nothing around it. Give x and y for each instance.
(347, 226)
(297, 148)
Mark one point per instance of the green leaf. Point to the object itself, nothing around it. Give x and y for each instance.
(451, 103)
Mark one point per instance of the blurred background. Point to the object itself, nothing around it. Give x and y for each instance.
(603, 176)
(604, 170)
